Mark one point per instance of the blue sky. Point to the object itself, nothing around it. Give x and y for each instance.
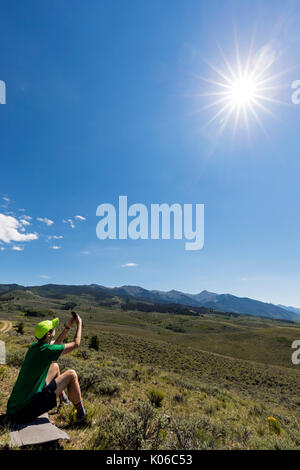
(105, 99)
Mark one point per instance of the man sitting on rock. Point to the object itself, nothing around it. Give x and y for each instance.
(40, 382)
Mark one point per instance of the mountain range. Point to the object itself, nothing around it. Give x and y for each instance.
(291, 309)
(220, 302)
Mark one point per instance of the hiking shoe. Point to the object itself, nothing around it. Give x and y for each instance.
(64, 400)
(79, 417)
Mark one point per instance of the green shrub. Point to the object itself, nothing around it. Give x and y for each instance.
(156, 397)
(20, 328)
(273, 443)
(38, 312)
(178, 397)
(194, 433)
(146, 413)
(285, 341)
(24, 340)
(154, 426)
(136, 375)
(88, 379)
(83, 354)
(175, 328)
(70, 362)
(120, 372)
(93, 379)
(94, 343)
(257, 410)
(211, 409)
(179, 382)
(122, 430)
(69, 306)
(138, 429)
(16, 358)
(107, 388)
(2, 371)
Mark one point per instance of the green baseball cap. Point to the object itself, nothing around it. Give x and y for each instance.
(44, 326)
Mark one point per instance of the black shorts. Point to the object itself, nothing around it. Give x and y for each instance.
(41, 402)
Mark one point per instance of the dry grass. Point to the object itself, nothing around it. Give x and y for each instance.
(210, 400)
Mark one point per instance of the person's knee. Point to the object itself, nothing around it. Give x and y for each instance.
(73, 374)
(54, 370)
(55, 366)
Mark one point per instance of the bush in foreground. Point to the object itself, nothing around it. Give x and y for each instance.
(156, 397)
(94, 343)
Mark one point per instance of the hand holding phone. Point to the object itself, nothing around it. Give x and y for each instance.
(76, 317)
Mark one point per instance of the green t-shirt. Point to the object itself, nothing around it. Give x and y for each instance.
(33, 374)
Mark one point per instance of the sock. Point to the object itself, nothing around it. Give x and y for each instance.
(79, 405)
(63, 398)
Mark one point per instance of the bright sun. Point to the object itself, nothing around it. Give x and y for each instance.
(242, 91)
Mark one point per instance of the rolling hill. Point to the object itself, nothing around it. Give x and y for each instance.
(209, 300)
(223, 373)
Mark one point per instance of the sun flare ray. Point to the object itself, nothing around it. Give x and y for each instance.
(244, 91)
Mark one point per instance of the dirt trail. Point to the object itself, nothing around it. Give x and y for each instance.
(7, 325)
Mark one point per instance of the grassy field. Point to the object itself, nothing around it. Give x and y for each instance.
(165, 381)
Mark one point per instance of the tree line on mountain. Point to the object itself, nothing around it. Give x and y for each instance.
(174, 308)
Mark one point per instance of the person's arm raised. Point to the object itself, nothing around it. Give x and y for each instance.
(64, 333)
(77, 338)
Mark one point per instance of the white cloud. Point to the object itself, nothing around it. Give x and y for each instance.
(69, 221)
(44, 276)
(54, 237)
(86, 252)
(18, 248)
(129, 265)
(2, 248)
(55, 247)
(24, 222)
(46, 221)
(10, 229)
(6, 200)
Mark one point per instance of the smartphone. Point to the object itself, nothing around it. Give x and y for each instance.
(74, 315)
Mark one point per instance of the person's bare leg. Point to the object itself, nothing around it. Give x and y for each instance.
(69, 380)
(53, 373)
